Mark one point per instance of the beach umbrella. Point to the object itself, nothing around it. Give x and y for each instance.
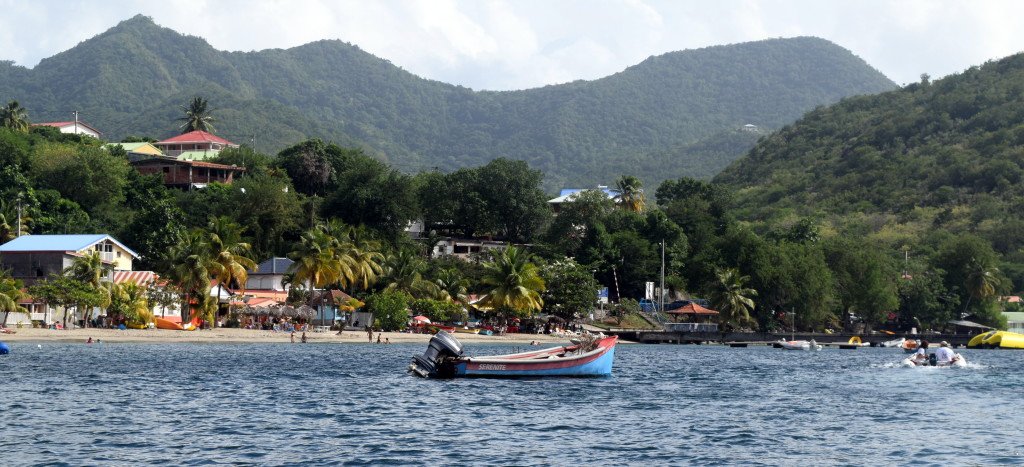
(287, 311)
(422, 319)
(305, 312)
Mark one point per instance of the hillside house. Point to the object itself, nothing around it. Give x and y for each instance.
(201, 142)
(269, 275)
(73, 127)
(188, 174)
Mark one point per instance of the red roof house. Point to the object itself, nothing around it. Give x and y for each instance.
(195, 141)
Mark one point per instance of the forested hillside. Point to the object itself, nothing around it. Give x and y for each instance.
(907, 168)
(662, 118)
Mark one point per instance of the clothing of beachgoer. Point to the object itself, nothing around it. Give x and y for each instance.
(944, 354)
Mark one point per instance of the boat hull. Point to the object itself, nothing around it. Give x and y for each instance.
(162, 323)
(595, 365)
(958, 362)
(444, 359)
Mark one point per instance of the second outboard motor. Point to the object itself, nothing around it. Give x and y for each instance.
(443, 346)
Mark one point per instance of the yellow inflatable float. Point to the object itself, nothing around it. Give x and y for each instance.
(997, 340)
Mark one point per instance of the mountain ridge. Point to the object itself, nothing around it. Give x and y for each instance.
(130, 80)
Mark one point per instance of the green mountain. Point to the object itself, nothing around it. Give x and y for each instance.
(669, 116)
(905, 167)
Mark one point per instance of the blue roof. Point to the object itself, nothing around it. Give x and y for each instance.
(273, 266)
(26, 243)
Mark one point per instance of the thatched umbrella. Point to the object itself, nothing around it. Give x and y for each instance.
(305, 312)
(287, 311)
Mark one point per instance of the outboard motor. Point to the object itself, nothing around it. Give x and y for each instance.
(436, 360)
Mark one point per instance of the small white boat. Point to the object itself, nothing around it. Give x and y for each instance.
(799, 345)
(914, 362)
(894, 343)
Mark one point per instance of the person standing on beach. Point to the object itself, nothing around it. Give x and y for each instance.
(293, 337)
(369, 334)
(303, 337)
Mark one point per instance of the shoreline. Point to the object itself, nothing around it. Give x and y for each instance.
(234, 335)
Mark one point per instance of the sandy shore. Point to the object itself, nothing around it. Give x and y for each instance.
(227, 335)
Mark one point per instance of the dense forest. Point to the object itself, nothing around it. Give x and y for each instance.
(671, 115)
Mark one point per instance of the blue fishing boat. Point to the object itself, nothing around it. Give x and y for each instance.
(589, 356)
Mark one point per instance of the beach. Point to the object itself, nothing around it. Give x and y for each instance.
(228, 335)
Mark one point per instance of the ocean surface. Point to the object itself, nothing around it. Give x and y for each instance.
(353, 404)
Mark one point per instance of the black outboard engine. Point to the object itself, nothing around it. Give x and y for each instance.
(436, 361)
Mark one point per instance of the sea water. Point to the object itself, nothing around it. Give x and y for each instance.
(354, 404)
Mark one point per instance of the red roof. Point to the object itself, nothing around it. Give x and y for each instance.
(692, 309)
(195, 137)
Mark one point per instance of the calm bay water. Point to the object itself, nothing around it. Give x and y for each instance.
(353, 404)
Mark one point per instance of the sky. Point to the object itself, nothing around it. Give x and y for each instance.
(521, 44)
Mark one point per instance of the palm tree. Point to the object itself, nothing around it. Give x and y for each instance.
(981, 281)
(230, 252)
(631, 194)
(404, 271)
(515, 281)
(90, 270)
(364, 256)
(191, 266)
(10, 294)
(451, 286)
(13, 116)
(197, 116)
(316, 261)
(731, 298)
(130, 300)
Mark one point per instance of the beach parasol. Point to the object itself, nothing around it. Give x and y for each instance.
(305, 312)
(422, 319)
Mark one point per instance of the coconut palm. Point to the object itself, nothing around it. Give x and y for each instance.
(13, 116)
(514, 280)
(10, 294)
(197, 116)
(130, 300)
(404, 271)
(89, 269)
(364, 256)
(631, 194)
(451, 286)
(981, 281)
(191, 266)
(731, 298)
(230, 252)
(315, 260)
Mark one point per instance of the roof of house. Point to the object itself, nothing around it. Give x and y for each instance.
(275, 265)
(26, 243)
(64, 124)
(145, 148)
(196, 137)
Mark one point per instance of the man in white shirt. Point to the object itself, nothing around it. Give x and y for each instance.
(944, 355)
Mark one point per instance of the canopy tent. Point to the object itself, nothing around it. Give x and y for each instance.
(694, 310)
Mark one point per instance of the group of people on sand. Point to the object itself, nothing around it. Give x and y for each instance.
(304, 339)
(369, 337)
(943, 355)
